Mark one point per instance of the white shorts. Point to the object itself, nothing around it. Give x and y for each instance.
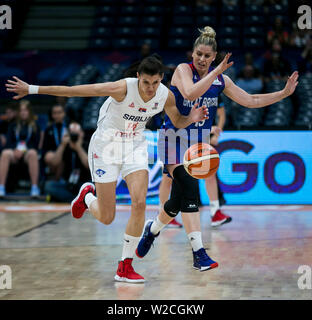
(109, 157)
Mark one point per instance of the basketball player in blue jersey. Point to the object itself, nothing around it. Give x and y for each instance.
(192, 83)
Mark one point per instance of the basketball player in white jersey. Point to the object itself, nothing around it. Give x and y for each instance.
(118, 146)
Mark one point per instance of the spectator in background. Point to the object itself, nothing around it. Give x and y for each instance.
(53, 136)
(276, 68)
(249, 81)
(6, 119)
(305, 64)
(72, 153)
(249, 61)
(22, 145)
(145, 51)
(275, 65)
(278, 32)
(299, 37)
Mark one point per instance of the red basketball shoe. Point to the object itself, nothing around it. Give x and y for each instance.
(78, 206)
(174, 224)
(220, 218)
(126, 273)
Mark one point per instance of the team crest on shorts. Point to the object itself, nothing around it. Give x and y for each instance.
(100, 172)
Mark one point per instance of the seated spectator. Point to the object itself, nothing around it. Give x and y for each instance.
(52, 140)
(249, 61)
(6, 120)
(278, 32)
(249, 81)
(72, 152)
(276, 68)
(299, 37)
(22, 146)
(305, 65)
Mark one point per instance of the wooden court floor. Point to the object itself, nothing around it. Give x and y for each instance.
(53, 256)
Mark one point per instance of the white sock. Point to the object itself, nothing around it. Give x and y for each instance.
(89, 198)
(196, 240)
(214, 206)
(130, 244)
(156, 226)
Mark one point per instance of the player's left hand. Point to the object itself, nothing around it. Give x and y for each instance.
(199, 114)
(18, 86)
(291, 84)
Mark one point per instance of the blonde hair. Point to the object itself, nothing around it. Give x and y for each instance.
(207, 38)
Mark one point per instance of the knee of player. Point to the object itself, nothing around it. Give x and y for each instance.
(107, 215)
(172, 207)
(138, 204)
(107, 219)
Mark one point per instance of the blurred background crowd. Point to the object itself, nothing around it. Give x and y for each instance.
(44, 140)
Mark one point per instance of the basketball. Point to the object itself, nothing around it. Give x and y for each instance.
(201, 160)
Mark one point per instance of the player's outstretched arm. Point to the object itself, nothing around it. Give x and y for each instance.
(259, 100)
(180, 121)
(183, 79)
(115, 89)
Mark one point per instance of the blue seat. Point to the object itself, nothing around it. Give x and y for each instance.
(128, 21)
(253, 43)
(123, 43)
(202, 21)
(180, 32)
(154, 43)
(252, 20)
(230, 10)
(152, 10)
(229, 43)
(178, 43)
(98, 43)
(152, 21)
(104, 21)
(230, 20)
(130, 10)
(182, 10)
(126, 32)
(254, 31)
(206, 10)
(150, 32)
(229, 32)
(183, 20)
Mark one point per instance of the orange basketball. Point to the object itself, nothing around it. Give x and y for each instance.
(201, 160)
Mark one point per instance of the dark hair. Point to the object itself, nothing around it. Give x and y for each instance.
(52, 107)
(151, 65)
(12, 105)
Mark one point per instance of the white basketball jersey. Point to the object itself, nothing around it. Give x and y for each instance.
(132, 114)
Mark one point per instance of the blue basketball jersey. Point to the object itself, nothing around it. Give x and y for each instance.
(173, 142)
(209, 99)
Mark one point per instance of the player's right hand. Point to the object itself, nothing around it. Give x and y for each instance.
(18, 86)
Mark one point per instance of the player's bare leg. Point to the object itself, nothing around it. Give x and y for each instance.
(137, 183)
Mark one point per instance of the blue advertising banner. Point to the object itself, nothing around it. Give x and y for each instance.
(256, 167)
